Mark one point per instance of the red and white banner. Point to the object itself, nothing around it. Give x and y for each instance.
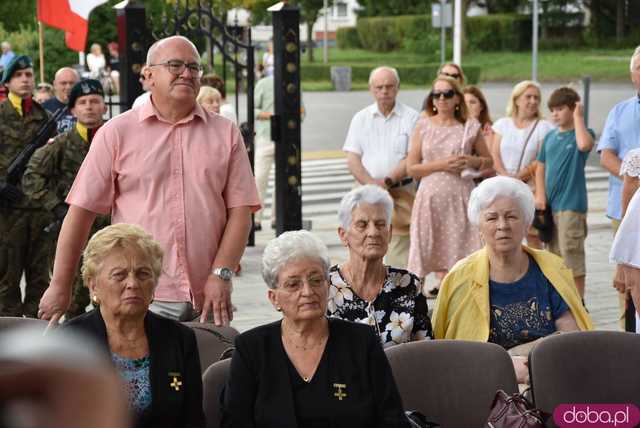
(72, 16)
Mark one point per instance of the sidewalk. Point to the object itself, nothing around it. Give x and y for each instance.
(250, 292)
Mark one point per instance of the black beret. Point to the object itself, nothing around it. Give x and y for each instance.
(18, 62)
(85, 87)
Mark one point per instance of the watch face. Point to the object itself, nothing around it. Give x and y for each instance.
(224, 273)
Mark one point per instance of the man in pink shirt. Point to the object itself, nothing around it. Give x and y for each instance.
(180, 173)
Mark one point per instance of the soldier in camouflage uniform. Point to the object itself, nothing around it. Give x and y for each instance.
(24, 246)
(52, 169)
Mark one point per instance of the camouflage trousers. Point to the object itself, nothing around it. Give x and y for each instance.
(24, 249)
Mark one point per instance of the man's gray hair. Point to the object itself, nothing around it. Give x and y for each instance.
(501, 187)
(385, 68)
(6, 44)
(369, 194)
(151, 53)
(636, 54)
(289, 246)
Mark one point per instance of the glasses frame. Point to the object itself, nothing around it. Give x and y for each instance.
(195, 69)
(448, 94)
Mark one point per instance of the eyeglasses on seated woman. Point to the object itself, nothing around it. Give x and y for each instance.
(308, 370)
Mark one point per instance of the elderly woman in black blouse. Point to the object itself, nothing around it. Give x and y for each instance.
(308, 370)
(363, 289)
(157, 358)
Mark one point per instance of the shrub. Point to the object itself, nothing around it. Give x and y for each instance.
(56, 53)
(412, 74)
(499, 32)
(347, 38)
(379, 34)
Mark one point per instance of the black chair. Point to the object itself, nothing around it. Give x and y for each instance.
(585, 367)
(213, 341)
(452, 382)
(213, 381)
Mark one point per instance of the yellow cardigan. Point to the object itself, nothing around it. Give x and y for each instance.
(462, 308)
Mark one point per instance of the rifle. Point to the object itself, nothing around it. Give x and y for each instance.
(19, 163)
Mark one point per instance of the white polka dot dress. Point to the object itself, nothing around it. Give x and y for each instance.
(440, 232)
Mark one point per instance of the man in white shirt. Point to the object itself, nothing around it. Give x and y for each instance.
(376, 147)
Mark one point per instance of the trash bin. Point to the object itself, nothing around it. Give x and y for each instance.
(341, 78)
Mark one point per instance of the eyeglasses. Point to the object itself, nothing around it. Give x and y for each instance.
(452, 75)
(176, 67)
(447, 94)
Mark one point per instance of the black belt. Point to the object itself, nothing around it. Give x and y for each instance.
(405, 181)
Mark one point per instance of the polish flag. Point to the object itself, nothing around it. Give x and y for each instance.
(72, 16)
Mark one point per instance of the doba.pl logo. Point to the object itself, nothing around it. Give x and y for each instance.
(596, 415)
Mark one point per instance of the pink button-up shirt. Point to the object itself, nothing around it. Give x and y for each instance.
(174, 180)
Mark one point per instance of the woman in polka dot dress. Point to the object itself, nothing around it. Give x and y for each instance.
(440, 156)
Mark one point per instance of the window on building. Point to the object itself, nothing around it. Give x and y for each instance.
(340, 9)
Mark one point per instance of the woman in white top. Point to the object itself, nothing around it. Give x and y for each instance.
(626, 245)
(518, 137)
(96, 61)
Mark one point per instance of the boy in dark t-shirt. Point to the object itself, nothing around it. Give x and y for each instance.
(561, 182)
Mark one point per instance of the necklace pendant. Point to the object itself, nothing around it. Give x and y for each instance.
(306, 379)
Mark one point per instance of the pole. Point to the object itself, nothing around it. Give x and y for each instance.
(586, 88)
(457, 33)
(41, 48)
(534, 43)
(443, 34)
(325, 48)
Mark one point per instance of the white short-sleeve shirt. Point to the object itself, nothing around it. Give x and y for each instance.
(381, 141)
(513, 139)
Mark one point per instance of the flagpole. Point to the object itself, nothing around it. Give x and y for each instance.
(41, 47)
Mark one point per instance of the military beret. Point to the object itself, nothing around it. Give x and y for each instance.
(18, 62)
(85, 87)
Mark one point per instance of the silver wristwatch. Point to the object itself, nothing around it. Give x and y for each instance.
(223, 273)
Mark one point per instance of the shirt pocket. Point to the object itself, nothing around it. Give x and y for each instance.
(401, 144)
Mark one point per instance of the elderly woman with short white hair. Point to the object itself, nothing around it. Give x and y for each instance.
(307, 370)
(507, 293)
(363, 289)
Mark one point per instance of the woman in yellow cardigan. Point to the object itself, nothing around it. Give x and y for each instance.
(507, 293)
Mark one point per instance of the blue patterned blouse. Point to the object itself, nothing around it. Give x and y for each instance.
(135, 373)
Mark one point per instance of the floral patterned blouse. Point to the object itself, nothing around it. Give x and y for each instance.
(137, 379)
(399, 314)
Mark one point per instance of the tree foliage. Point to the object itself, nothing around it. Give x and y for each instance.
(394, 7)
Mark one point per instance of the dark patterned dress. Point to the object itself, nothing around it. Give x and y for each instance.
(399, 313)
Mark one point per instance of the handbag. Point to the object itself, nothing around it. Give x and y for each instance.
(526, 143)
(543, 222)
(467, 173)
(513, 411)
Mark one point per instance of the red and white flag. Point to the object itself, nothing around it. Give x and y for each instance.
(72, 16)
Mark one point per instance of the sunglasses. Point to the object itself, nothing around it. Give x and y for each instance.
(452, 75)
(447, 94)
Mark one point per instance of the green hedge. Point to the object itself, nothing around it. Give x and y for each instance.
(412, 74)
(499, 32)
(414, 33)
(347, 38)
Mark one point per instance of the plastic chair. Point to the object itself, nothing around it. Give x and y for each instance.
(212, 341)
(585, 367)
(213, 382)
(452, 382)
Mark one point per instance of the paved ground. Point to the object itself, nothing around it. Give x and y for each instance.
(329, 113)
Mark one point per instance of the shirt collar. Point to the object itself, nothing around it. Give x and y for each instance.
(148, 109)
(16, 102)
(82, 131)
(375, 111)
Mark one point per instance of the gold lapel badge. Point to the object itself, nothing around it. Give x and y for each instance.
(339, 393)
(176, 381)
